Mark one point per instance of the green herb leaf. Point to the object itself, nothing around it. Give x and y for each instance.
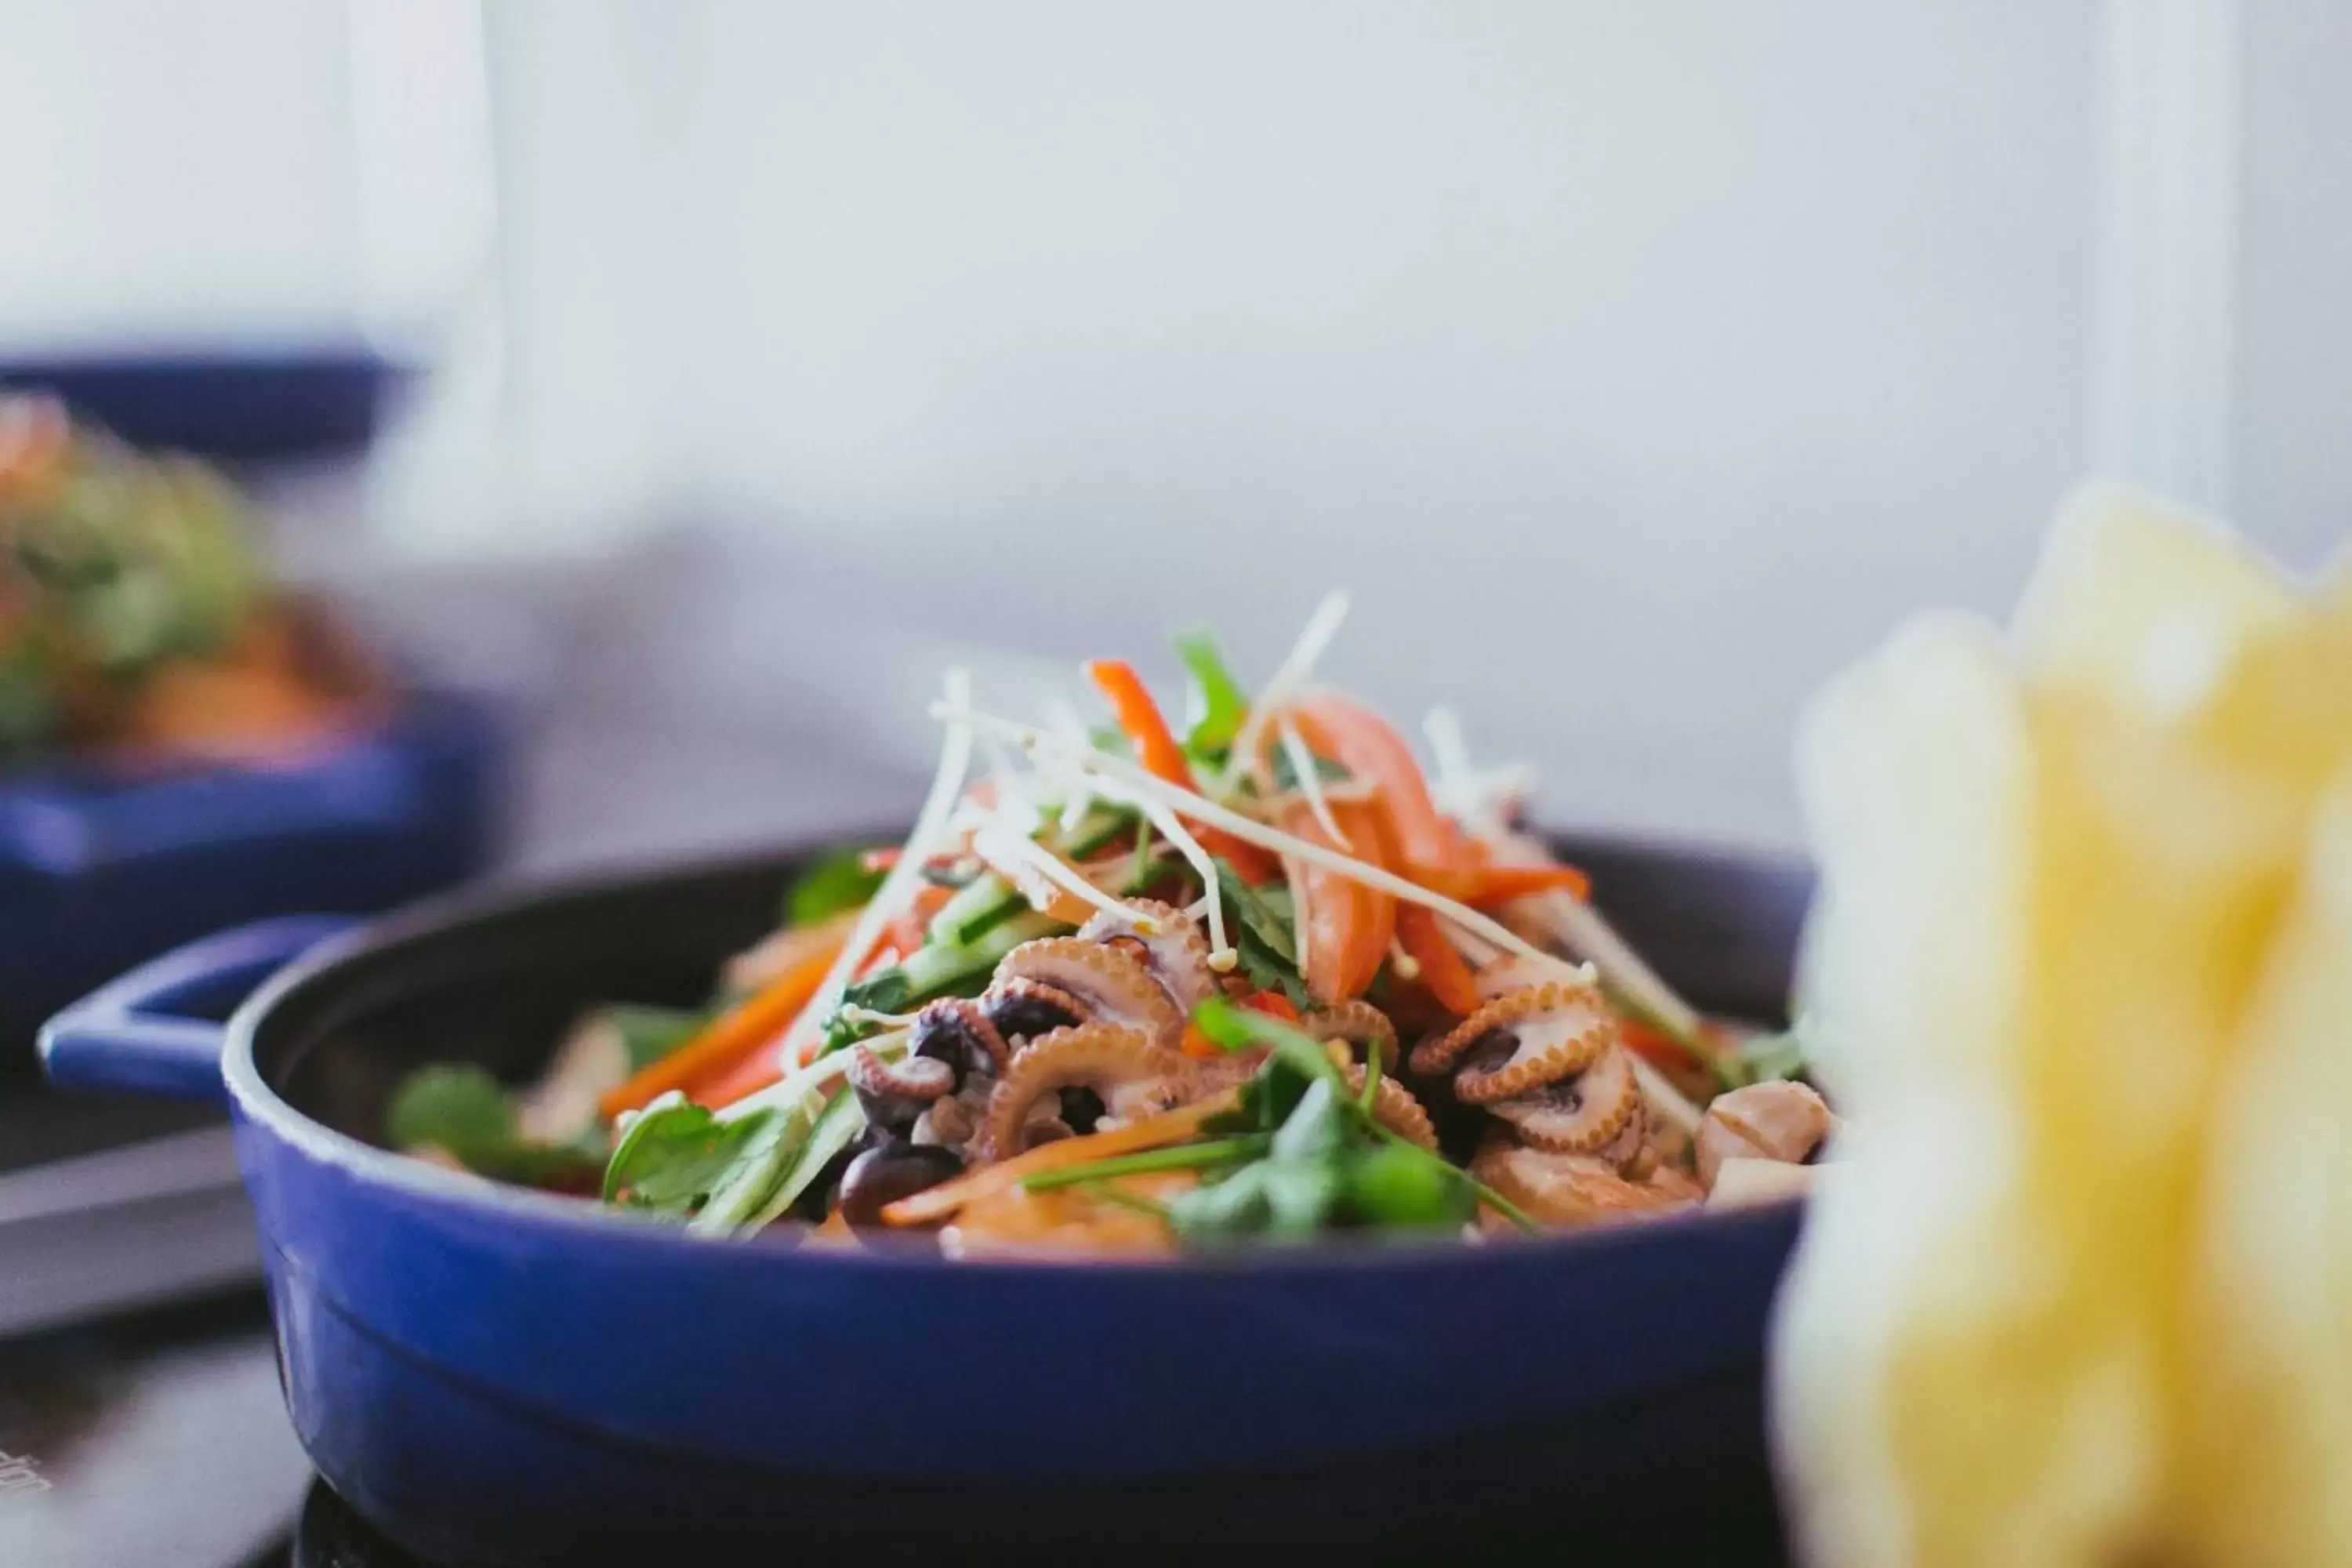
(1255, 916)
(1389, 1187)
(1301, 1196)
(1486, 1194)
(673, 1157)
(463, 1111)
(1224, 703)
(449, 1106)
(1268, 971)
(836, 1127)
(1238, 1028)
(1319, 1125)
(1266, 1100)
(778, 1162)
(1222, 1211)
(836, 882)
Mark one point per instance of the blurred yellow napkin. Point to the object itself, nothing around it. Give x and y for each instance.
(2081, 978)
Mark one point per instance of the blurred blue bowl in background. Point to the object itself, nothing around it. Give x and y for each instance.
(247, 406)
(100, 869)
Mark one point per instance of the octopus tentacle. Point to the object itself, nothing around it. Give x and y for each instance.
(895, 1095)
(1133, 1075)
(1394, 1107)
(1175, 954)
(1583, 1114)
(1112, 985)
(1572, 1000)
(1535, 1036)
(1228, 1069)
(1022, 1010)
(959, 1032)
(1359, 1023)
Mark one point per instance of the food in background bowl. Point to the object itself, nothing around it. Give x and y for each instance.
(1261, 982)
(138, 616)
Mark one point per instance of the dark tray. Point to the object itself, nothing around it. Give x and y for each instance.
(247, 407)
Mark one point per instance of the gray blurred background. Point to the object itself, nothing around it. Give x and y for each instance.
(1634, 366)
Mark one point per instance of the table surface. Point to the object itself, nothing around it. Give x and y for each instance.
(156, 1440)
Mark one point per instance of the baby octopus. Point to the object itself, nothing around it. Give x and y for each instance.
(1130, 1073)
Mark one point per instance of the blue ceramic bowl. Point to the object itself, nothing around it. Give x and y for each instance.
(102, 868)
(495, 1376)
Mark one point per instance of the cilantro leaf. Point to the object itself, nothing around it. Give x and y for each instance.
(1301, 1196)
(1268, 971)
(462, 1111)
(1224, 1211)
(1317, 1126)
(449, 1106)
(1398, 1188)
(1255, 916)
(673, 1157)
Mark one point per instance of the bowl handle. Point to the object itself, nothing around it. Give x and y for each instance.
(153, 1031)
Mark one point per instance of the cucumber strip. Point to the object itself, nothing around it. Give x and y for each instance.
(932, 971)
(1147, 871)
(843, 1120)
(753, 1177)
(1097, 833)
(988, 901)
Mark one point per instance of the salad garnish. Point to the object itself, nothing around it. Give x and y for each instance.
(1146, 987)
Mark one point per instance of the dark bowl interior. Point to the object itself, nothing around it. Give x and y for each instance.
(497, 979)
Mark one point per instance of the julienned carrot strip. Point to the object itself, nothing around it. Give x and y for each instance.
(1131, 705)
(1443, 971)
(1501, 884)
(728, 1039)
(1156, 748)
(1152, 1133)
(748, 1076)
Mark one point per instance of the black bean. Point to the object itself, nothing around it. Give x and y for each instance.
(881, 1177)
(1081, 1109)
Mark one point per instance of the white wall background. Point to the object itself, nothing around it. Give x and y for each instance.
(1634, 366)
(2295, 408)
